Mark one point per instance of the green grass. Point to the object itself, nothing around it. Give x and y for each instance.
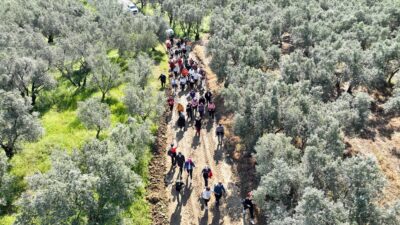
(65, 132)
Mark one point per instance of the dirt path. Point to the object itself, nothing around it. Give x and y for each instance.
(203, 150)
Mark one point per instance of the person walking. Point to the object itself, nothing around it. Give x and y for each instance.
(180, 160)
(189, 111)
(195, 103)
(219, 190)
(207, 174)
(206, 196)
(208, 96)
(220, 133)
(189, 165)
(171, 102)
(197, 125)
(163, 80)
(202, 100)
(192, 94)
(178, 187)
(201, 109)
(174, 84)
(248, 204)
(182, 82)
(181, 121)
(211, 109)
(172, 154)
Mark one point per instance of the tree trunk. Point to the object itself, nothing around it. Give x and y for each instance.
(103, 96)
(51, 39)
(9, 150)
(350, 89)
(98, 133)
(33, 98)
(392, 75)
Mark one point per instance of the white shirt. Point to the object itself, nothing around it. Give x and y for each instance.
(195, 76)
(206, 194)
(182, 81)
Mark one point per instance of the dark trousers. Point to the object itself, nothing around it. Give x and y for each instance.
(190, 115)
(190, 173)
(180, 171)
(251, 209)
(205, 181)
(173, 161)
(201, 114)
(211, 114)
(171, 107)
(206, 201)
(217, 197)
(182, 87)
(162, 84)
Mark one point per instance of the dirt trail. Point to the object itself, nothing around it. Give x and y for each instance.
(203, 150)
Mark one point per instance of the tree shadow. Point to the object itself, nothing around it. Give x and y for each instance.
(233, 205)
(210, 123)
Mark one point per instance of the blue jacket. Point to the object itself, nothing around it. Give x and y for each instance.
(189, 165)
(218, 189)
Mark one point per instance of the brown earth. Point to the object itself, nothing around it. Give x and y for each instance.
(234, 169)
(382, 141)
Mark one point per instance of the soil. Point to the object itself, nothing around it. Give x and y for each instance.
(204, 150)
(382, 141)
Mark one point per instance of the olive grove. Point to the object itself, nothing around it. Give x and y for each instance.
(54, 55)
(298, 77)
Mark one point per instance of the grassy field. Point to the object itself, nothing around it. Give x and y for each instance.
(64, 131)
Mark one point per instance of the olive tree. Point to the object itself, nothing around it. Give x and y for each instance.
(17, 122)
(7, 181)
(94, 115)
(94, 185)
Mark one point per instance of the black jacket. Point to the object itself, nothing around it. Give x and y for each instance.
(180, 160)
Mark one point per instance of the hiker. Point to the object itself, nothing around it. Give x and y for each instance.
(211, 109)
(207, 174)
(180, 160)
(197, 125)
(180, 108)
(194, 103)
(206, 196)
(248, 204)
(219, 190)
(191, 82)
(208, 96)
(189, 165)
(201, 109)
(172, 154)
(168, 45)
(196, 77)
(163, 80)
(181, 121)
(202, 100)
(220, 133)
(178, 187)
(192, 93)
(171, 102)
(182, 82)
(174, 84)
(189, 111)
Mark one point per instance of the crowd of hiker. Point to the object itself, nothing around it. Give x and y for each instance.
(187, 78)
